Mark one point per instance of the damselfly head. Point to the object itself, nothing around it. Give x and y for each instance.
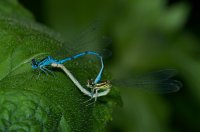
(34, 64)
(90, 83)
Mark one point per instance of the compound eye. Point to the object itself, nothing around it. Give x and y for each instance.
(33, 62)
(91, 82)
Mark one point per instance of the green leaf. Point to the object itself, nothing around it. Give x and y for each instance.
(30, 102)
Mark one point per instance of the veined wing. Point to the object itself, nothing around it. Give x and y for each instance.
(159, 82)
(89, 39)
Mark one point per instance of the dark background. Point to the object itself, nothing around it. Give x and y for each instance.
(35, 6)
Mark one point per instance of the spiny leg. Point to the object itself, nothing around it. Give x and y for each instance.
(92, 93)
(88, 100)
(49, 71)
(96, 95)
(38, 75)
(95, 98)
(91, 103)
(42, 68)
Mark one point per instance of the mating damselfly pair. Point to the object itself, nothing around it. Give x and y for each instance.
(160, 81)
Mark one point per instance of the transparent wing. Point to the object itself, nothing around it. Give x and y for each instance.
(90, 39)
(159, 81)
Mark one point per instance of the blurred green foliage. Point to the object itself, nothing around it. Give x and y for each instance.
(146, 35)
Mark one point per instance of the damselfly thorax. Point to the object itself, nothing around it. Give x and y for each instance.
(100, 85)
